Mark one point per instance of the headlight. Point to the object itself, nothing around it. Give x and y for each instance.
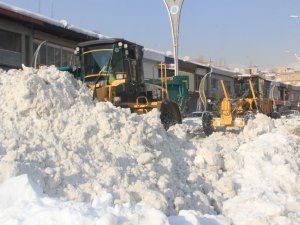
(117, 100)
(121, 76)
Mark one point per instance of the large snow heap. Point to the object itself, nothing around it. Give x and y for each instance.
(76, 149)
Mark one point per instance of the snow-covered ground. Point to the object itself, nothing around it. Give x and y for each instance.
(193, 123)
(65, 159)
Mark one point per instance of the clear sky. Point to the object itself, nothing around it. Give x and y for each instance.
(232, 32)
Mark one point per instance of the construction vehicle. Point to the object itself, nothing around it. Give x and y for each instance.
(113, 70)
(176, 87)
(251, 96)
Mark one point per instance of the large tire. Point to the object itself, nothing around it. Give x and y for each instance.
(207, 123)
(170, 114)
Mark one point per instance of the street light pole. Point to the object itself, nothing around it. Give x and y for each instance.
(174, 9)
(295, 54)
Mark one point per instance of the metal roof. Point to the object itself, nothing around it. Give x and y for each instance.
(37, 21)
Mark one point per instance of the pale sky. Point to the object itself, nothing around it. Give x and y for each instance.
(231, 32)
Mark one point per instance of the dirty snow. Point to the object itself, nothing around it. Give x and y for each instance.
(65, 159)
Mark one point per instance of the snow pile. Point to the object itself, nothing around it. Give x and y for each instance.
(77, 149)
(255, 175)
(22, 202)
(269, 182)
(117, 163)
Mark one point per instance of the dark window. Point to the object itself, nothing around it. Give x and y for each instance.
(227, 85)
(43, 55)
(51, 57)
(214, 83)
(34, 48)
(70, 58)
(67, 57)
(10, 41)
(51, 54)
(117, 60)
(170, 73)
(57, 57)
(95, 60)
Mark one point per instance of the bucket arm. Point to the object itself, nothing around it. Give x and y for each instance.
(224, 90)
(253, 93)
(226, 115)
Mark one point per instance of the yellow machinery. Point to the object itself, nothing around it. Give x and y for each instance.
(250, 98)
(109, 92)
(113, 69)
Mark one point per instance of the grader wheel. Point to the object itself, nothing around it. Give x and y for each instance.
(207, 123)
(274, 115)
(170, 114)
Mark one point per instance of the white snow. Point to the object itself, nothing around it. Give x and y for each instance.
(65, 159)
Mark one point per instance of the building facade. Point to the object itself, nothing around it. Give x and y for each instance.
(21, 32)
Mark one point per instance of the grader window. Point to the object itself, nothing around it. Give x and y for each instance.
(117, 64)
(241, 88)
(102, 60)
(95, 61)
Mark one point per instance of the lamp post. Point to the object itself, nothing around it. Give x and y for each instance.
(174, 9)
(294, 17)
(295, 54)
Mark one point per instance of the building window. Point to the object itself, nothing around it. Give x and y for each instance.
(214, 83)
(10, 41)
(170, 73)
(197, 81)
(43, 55)
(228, 86)
(57, 56)
(66, 57)
(51, 54)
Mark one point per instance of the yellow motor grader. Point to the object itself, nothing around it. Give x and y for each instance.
(251, 96)
(113, 70)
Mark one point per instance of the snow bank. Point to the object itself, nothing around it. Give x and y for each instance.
(23, 203)
(255, 175)
(75, 148)
(93, 163)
